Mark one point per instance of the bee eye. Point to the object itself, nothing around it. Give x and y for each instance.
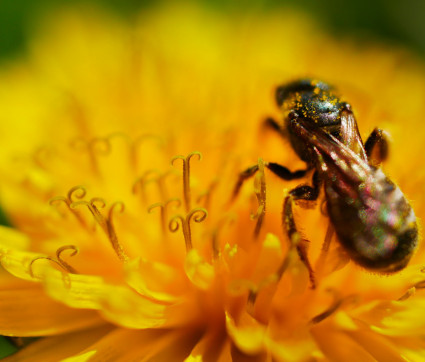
(280, 95)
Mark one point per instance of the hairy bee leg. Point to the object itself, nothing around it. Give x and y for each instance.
(279, 170)
(295, 237)
(308, 193)
(377, 140)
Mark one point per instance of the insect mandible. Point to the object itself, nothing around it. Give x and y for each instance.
(371, 217)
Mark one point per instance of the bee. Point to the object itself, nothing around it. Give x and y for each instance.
(371, 217)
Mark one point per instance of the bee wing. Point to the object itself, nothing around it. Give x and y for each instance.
(331, 149)
(350, 134)
(341, 166)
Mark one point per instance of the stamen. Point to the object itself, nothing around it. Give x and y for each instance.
(79, 192)
(198, 215)
(58, 200)
(186, 175)
(30, 270)
(215, 243)
(95, 147)
(111, 231)
(141, 182)
(41, 155)
(260, 193)
(105, 223)
(161, 183)
(64, 264)
(332, 309)
(58, 261)
(275, 277)
(163, 211)
(411, 291)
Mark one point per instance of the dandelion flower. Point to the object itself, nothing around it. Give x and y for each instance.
(120, 150)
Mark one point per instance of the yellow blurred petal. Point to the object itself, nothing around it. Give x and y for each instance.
(209, 348)
(13, 239)
(199, 272)
(116, 303)
(175, 346)
(29, 312)
(8, 281)
(337, 346)
(55, 348)
(378, 346)
(120, 345)
(74, 290)
(147, 345)
(270, 256)
(396, 318)
(18, 262)
(152, 279)
(249, 337)
(87, 356)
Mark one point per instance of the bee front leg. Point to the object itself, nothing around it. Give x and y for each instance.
(279, 170)
(272, 124)
(377, 147)
(296, 239)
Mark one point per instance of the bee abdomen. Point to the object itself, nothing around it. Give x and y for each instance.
(378, 228)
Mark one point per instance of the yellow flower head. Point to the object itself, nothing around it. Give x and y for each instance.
(121, 148)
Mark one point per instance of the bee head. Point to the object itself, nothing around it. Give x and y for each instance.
(310, 99)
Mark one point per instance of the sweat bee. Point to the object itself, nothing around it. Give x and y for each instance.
(371, 217)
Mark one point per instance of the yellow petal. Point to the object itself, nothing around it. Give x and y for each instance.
(199, 272)
(338, 346)
(119, 345)
(8, 281)
(147, 345)
(117, 303)
(378, 346)
(55, 348)
(269, 258)
(209, 348)
(18, 262)
(153, 279)
(395, 318)
(249, 337)
(11, 238)
(29, 312)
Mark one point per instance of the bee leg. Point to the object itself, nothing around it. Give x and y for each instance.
(377, 147)
(284, 173)
(243, 176)
(271, 123)
(279, 170)
(307, 193)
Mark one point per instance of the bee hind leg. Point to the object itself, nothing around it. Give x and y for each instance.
(307, 193)
(377, 147)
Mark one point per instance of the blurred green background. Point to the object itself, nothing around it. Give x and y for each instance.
(400, 23)
(392, 21)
